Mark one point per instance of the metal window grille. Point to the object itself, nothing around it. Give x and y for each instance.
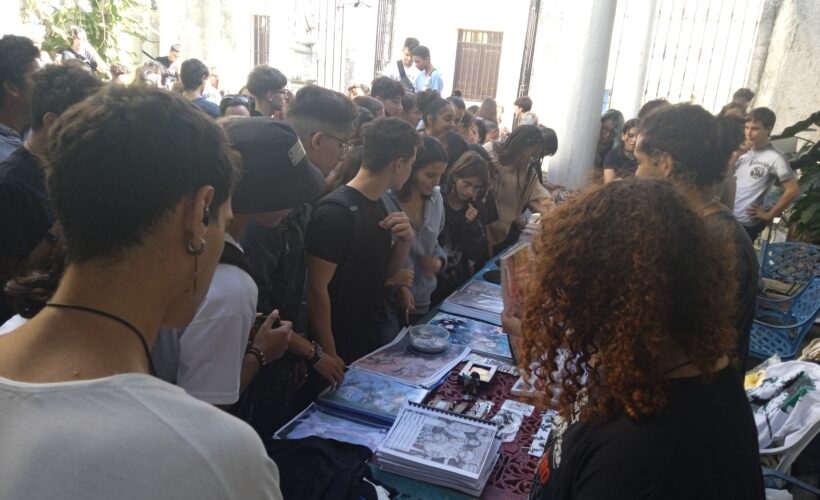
(478, 59)
(702, 50)
(384, 35)
(261, 40)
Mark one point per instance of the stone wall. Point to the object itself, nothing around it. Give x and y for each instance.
(786, 69)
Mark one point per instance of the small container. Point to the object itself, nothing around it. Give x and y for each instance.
(429, 339)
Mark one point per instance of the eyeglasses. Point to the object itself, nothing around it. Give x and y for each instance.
(344, 145)
(287, 95)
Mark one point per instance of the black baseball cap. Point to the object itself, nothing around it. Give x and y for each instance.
(276, 173)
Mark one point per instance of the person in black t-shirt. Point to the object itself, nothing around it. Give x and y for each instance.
(630, 337)
(620, 162)
(27, 227)
(686, 143)
(348, 243)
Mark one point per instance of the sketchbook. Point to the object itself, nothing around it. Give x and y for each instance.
(480, 337)
(398, 361)
(440, 447)
(371, 396)
(478, 300)
(324, 423)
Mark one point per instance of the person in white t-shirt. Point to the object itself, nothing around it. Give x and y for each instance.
(404, 70)
(756, 173)
(144, 212)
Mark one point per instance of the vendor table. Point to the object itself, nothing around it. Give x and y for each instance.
(512, 476)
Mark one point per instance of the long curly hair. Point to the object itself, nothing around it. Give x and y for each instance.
(624, 274)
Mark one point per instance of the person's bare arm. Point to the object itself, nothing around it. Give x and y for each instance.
(791, 190)
(398, 224)
(320, 272)
(329, 366)
(609, 175)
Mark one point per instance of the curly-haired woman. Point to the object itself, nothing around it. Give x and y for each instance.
(627, 326)
(688, 145)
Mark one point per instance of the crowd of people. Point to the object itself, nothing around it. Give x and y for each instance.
(176, 261)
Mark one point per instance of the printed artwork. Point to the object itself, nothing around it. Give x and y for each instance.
(516, 269)
(479, 337)
(373, 395)
(542, 436)
(454, 444)
(479, 295)
(315, 421)
(398, 361)
(509, 418)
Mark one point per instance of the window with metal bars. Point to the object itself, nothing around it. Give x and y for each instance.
(261, 40)
(478, 58)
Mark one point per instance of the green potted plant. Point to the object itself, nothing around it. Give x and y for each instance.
(804, 216)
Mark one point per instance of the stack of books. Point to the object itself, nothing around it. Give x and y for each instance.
(478, 300)
(440, 447)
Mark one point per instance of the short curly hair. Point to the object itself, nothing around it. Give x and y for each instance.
(16, 55)
(118, 162)
(385, 140)
(623, 272)
(386, 88)
(56, 88)
(263, 79)
(700, 144)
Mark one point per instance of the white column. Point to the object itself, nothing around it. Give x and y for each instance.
(569, 73)
(632, 55)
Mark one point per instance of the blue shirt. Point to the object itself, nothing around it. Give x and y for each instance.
(10, 140)
(424, 245)
(207, 106)
(434, 81)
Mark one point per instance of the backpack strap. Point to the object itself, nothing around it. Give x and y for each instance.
(405, 80)
(344, 199)
(233, 256)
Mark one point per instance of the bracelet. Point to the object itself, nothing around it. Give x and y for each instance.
(256, 353)
(316, 356)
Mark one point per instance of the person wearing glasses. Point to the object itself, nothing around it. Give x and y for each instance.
(323, 120)
(268, 86)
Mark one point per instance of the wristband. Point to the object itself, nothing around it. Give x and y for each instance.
(317, 355)
(256, 353)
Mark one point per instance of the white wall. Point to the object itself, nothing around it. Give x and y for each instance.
(790, 80)
(436, 23)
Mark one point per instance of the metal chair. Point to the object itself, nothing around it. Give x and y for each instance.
(781, 325)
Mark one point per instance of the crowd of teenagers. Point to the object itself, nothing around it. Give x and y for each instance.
(177, 267)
